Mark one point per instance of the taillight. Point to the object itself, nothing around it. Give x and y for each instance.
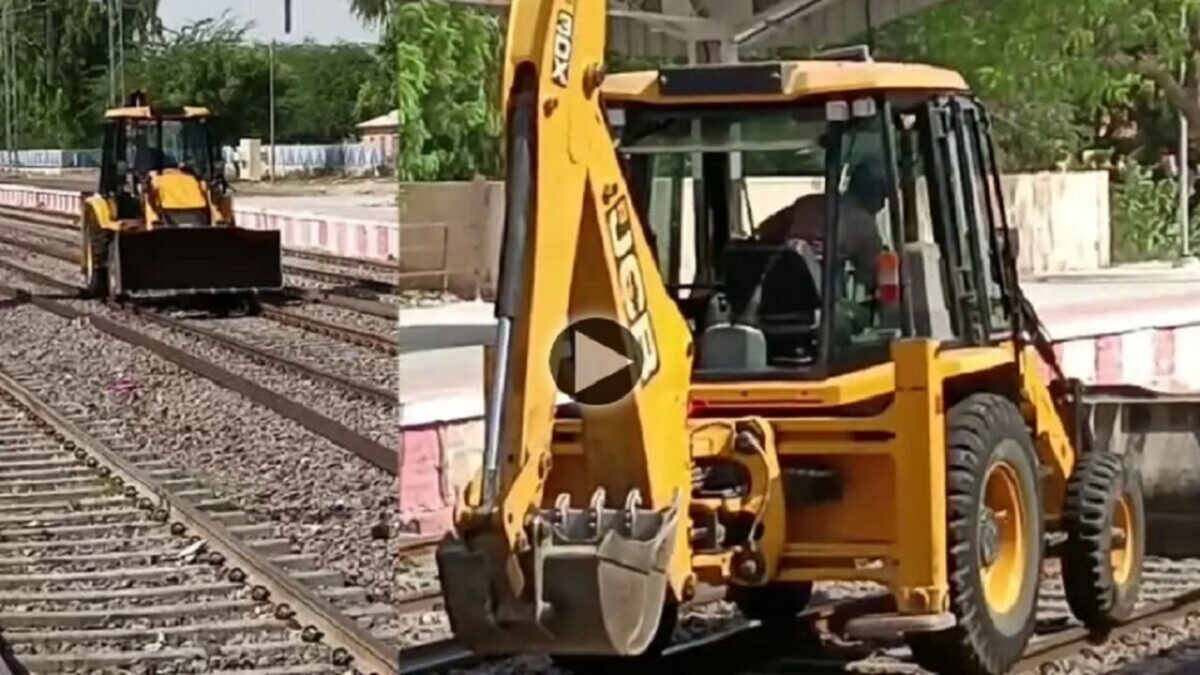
(887, 278)
(695, 407)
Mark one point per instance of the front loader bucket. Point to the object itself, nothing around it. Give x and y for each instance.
(1160, 435)
(197, 260)
(595, 584)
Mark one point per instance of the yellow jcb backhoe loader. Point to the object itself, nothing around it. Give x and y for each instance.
(161, 222)
(847, 389)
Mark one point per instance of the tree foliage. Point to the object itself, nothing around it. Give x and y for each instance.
(208, 63)
(61, 57)
(320, 86)
(1064, 78)
(371, 10)
(437, 66)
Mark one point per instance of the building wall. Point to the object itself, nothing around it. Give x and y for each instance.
(1063, 219)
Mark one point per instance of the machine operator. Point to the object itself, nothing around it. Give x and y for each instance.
(859, 239)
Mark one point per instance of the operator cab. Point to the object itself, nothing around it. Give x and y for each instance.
(742, 175)
(147, 149)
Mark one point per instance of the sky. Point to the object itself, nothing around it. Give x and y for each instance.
(325, 21)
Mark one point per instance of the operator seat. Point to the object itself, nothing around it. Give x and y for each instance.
(768, 307)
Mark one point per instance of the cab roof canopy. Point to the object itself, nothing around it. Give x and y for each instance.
(775, 81)
(157, 112)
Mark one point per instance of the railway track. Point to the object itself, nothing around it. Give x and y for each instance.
(273, 308)
(380, 456)
(64, 536)
(352, 275)
(435, 654)
(113, 560)
(351, 290)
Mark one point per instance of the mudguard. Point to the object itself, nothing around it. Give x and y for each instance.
(196, 260)
(598, 582)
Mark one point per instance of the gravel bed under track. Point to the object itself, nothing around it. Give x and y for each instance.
(370, 418)
(348, 317)
(79, 595)
(352, 361)
(332, 504)
(401, 299)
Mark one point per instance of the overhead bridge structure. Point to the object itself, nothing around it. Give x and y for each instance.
(723, 30)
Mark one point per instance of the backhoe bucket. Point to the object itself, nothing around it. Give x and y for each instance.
(595, 581)
(197, 260)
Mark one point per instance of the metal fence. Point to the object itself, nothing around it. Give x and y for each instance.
(289, 159)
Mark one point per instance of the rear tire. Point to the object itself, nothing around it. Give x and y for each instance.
(95, 261)
(1102, 574)
(115, 291)
(993, 540)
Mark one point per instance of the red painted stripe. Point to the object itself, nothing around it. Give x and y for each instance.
(360, 240)
(422, 495)
(1108, 359)
(381, 242)
(1164, 352)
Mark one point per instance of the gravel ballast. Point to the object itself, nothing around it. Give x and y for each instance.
(317, 493)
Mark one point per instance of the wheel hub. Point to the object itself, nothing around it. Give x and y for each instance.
(989, 537)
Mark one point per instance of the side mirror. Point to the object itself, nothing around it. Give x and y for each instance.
(1014, 240)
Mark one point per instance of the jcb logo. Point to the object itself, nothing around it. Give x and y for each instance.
(629, 275)
(564, 36)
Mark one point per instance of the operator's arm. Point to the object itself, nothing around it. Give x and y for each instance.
(802, 219)
(859, 242)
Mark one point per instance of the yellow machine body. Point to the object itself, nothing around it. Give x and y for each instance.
(162, 221)
(589, 526)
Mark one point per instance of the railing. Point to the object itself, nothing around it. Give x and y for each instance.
(424, 254)
(348, 157)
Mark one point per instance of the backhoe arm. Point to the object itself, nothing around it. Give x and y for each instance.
(586, 570)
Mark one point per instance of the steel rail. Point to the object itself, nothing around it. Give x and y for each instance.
(1045, 649)
(344, 278)
(1070, 642)
(229, 342)
(59, 222)
(434, 657)
(368, 449)
(65, 222)
(362, 338)
(363, 389)
(368, 653)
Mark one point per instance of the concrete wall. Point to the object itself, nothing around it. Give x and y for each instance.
(1063, 219)
(473, 214)
(346, 237)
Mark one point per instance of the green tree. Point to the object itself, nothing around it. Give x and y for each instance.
(320, 87)
(209, 63)
(61, 66)
(371, 10)
(438, 65)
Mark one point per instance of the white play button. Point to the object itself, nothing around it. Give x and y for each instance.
(595, 361)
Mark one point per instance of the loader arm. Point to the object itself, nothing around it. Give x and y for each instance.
(573, 248)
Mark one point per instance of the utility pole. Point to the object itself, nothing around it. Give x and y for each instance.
(6, 44)
(16, 90)
(112, 59)
(121, 41)
(1185, 187)
(271, 95)
(287, 29)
